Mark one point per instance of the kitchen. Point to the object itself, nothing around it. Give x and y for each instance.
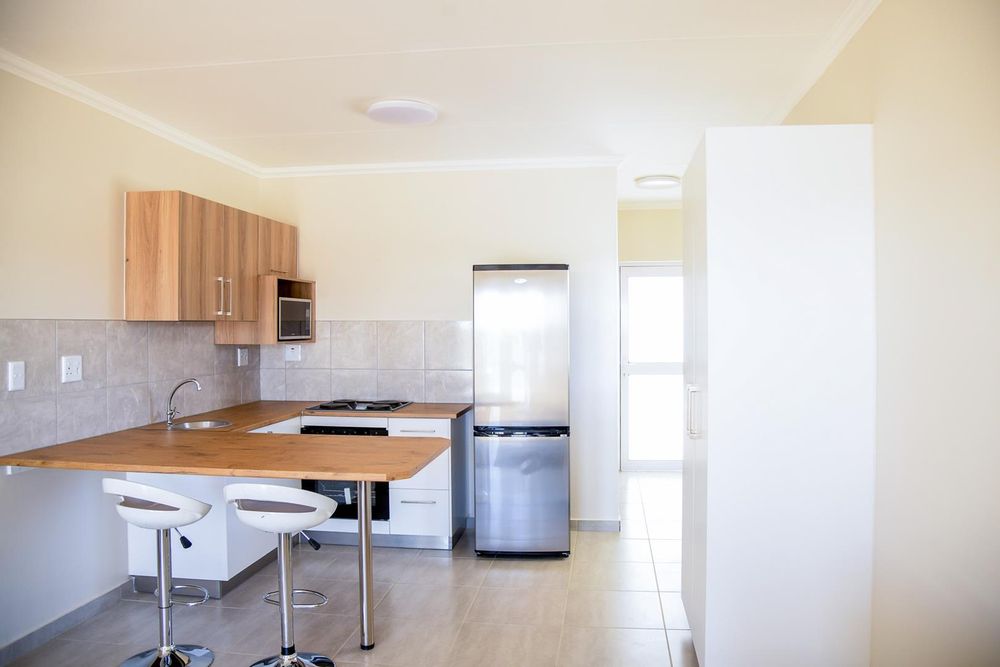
(390, 222)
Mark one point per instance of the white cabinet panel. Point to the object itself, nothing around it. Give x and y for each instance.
(420, 428)
(437, 475)
(287, 426)
(419, 512)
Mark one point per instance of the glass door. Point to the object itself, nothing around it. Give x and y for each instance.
(652, 367)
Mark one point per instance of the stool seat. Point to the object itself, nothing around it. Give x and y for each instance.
(279, 509)
(150, 507)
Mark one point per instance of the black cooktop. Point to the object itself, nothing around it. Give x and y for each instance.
(351, 405)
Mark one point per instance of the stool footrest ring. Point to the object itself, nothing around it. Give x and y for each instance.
(272, 598)
(179, 589)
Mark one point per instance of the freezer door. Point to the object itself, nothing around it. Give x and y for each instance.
(521, 333)
(522, 494)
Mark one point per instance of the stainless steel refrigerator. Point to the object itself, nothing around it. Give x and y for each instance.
(522, 438)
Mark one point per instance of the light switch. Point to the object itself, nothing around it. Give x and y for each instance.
(293, 353)
(71, 368)
(15, 376)
(242, 356)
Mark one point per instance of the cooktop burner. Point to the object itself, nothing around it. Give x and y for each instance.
(351, 405)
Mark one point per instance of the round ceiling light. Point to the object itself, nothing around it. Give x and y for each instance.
(402, 112)
(657, 182)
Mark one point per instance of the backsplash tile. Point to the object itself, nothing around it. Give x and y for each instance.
(400, 345)
(376, 360)
(129, 369)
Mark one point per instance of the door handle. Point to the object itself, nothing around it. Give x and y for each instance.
(229, 311)
(416, 430)
(691, 417)
(222, 294)
(418, 502)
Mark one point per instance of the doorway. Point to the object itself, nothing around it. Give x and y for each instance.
(652, 366)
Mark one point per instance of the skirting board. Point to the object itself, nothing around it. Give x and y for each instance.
(50, 631)
(596, 526)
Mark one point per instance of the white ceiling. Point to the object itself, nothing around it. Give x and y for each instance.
(285, 84)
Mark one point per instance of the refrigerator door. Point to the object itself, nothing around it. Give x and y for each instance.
(521, 333)
(522, 494)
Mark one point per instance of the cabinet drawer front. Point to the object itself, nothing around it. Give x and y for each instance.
(420, 428)
(366, 422)
(287, 426)
(418, 512)
(436, 475)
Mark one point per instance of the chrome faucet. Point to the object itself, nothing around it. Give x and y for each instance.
(171, 410)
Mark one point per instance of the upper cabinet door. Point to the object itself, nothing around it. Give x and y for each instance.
(240, 289)
(278, 244)
(202, 268)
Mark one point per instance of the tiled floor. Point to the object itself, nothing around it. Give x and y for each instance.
(614, 601)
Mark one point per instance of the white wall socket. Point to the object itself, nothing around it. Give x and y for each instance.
(71, 368)
(242, 356)
(293, 353)
(15, 376)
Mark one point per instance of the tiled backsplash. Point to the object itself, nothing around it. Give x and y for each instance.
(406, 360)
(129, 369)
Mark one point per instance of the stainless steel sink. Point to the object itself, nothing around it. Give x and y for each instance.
(197, 426)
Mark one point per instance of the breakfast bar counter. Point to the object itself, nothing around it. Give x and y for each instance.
(233, 451)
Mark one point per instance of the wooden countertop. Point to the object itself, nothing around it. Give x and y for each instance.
(235, 453)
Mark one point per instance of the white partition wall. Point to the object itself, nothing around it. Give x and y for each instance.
(779, 469)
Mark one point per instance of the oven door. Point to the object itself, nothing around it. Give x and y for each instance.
(294, 318)
(345, 492)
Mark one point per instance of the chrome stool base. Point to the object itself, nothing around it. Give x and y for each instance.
(301, 659)
(183, 655)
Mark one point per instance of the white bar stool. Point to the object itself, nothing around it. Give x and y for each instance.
(150, 507)
(286, 511)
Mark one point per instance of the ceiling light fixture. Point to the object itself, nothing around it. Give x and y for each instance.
(657, 182)
(402, 112)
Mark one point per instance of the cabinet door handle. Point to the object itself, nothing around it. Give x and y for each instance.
(416, 430)
(418, 502)
(222, 294)
(691, 418)
(229, 311)
(277, 271)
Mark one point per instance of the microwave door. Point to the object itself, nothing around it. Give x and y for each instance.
(294, 319)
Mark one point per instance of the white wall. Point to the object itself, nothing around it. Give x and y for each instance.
(402, 246)
(925, 73)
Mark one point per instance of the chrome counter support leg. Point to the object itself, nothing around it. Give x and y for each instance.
(365, 565)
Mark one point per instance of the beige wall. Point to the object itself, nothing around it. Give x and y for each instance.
(925, 73)
(64, 167)
(402, 246)
(650, 235)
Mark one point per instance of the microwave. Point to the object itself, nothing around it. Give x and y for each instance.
(294, 318)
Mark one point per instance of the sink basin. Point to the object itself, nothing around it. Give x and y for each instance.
(197, 426)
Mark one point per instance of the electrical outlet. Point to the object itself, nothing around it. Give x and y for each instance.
(15, 376)
(71, 368)
(293, 353)
(242, 356)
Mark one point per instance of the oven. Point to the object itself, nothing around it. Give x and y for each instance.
(345, 492)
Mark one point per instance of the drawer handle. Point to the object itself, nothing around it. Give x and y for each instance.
(416, 430)
(418, 502)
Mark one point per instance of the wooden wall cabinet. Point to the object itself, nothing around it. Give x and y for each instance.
(277, 248)
(188, 258)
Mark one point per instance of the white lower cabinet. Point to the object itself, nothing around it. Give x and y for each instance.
(288, 426)
(437, 475)
(420, 512)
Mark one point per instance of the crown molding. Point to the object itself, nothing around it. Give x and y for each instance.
(855, 16)
(46, 78)
(442, 165)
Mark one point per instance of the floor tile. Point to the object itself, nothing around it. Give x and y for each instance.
(517, 606)
(445, 572)
(126, 622)
(614, 609)
(631, 511)
(445, 604)
(634, 528)
(611, 576)
(528, 573)
(484, 645)
(668, 576)
(666, 551)
(665, 529)
(673, 611)
(415, 643)
(612, 547)
(607, 647)
(682, 648)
